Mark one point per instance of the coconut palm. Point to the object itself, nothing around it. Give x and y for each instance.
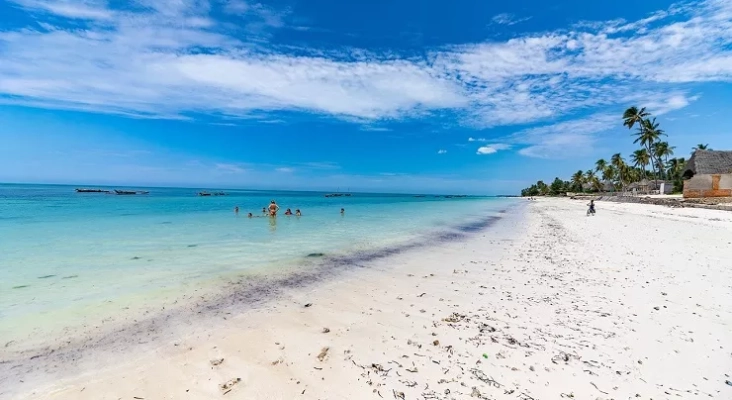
(617, 161)
(577, 180)
(633, 116)
(648, 134)
(701, 146)
(600, 165)
(662, 151)
(640, 159)
(591, 179)
(609, 173)
(675, 166)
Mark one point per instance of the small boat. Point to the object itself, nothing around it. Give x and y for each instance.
(206, 194)
(130, 192)
(91, 190)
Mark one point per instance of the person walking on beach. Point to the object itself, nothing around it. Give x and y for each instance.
(273, 208)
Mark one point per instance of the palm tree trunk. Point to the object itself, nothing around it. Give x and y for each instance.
(653, 163)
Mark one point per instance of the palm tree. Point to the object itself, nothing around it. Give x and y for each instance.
(701, 146)
(662, 151)
(675, 169)
(600, 165)
(675, 166)
(592, 180)
(609, 173)
(633, 116)
(577, 180)
(640, 159)
(619, 164)
(648, 134)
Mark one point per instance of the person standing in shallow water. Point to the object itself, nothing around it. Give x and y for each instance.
(273, 208)
(236, 210)
(343, 211)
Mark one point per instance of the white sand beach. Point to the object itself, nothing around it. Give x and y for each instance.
(635, 302)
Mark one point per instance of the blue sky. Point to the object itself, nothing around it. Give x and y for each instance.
(399, 96)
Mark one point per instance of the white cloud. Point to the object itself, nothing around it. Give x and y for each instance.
(508, 19)
(441, 151)
(78, 9)
(492, 148)
(472, 139)
(172, 60)
(285, 169)
(322, 165)
(229, 168)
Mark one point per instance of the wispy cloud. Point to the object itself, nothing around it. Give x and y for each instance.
(508, 19)
(285, 169)
(369, 128)
(442, 151)
(230, 168)
(492, 148)
(79, 9)
(575, 137)
(175, 60)
(323, 165)
(472, 139)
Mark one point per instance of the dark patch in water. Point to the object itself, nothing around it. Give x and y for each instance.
(477, 225)
(127, 215)
(316, 255)
(450, 236)
(135, 258)
(20, 287)
(70, 277)
(192, 245)
(166, 223)
(46, 276)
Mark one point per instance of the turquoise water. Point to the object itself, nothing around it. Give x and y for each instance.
(70, 258)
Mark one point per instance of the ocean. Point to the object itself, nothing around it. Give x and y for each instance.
(69, 260)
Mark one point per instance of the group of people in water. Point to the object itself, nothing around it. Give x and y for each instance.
(273, 208)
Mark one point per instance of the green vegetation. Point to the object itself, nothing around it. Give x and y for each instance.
(618, 174)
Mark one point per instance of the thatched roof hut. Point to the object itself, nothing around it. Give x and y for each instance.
(707, 162)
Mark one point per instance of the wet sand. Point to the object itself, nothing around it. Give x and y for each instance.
(543, 304)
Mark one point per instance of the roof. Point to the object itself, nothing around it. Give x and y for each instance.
(709, 162)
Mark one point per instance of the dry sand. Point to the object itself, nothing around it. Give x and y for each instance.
(632, 303)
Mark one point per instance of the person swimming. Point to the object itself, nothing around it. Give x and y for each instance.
(250, 215)
(264, 211)
(236, 210)
(273, 208)
(343, 211)
(288, 212)
(298, 213)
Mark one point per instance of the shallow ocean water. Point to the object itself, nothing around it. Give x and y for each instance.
(69, 259)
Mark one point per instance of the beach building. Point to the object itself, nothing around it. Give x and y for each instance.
(646, 186)
(708, 173)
